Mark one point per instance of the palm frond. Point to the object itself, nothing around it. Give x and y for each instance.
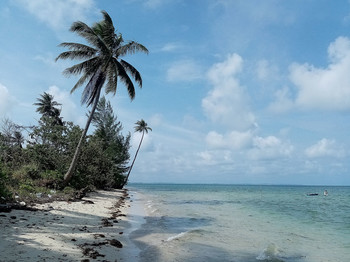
(112, 79)
(93, 87)
(105, 29)
(76, 54)
(90, 36)
(132, 70)
(131, 48)
(86, 66)
(123, 76)
(77, 47)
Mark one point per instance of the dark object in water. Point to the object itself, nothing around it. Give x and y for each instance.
(312, 194)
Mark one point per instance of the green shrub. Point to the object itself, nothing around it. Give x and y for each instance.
(29, 171)
(5, 193)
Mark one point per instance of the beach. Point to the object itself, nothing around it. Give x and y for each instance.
(187, 223)
(93, 229)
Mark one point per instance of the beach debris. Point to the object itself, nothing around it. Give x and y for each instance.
(98, 236)
(88, 251)
(106, 223)
(88, 202)
(116, 243)
(84, 228)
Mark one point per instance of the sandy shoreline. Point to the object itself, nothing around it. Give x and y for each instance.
(94, 229)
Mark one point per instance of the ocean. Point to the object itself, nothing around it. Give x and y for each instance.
(242, 223)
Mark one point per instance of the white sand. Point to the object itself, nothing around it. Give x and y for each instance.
(58, 230)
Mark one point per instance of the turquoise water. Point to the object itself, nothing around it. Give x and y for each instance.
(243, 223)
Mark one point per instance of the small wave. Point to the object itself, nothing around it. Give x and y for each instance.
(183, 234)
(270, 254)
(177, 236)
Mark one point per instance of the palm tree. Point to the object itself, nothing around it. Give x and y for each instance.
(46, 107)
(102, 65)
(142, 127)
(18, 139)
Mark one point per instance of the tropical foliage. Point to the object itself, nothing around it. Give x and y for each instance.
(38, 160)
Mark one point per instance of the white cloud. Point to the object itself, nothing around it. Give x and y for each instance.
(47, 59)
(234, 140)
(269, 148)
(6, 100)
(171, 47)
(147, 142)
(323, 148)
(283, 101)
(227, 103)
(184, 70)
(266, 71)
(325, 88)
(69, 108)
(58, 13)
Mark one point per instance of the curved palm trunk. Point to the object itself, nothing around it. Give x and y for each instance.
(132, 164)
(70, 172)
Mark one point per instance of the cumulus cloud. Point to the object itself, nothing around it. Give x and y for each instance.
(325, 88)
(227, 102)
(283, 101)
(325, 148)
(269, 148)
(184, 70)
(6, 100)
(58, 13)
(234, 140)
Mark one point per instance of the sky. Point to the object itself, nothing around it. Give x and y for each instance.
(235, 91)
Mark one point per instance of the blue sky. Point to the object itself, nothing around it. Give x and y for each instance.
(235, 91)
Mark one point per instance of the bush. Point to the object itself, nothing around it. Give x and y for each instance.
(4, 191)
(28, 171)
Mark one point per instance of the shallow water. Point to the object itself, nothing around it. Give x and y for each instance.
(243, 223)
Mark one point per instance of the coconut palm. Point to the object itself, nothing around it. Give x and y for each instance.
(18, 139)
(46, 107)
(102, 66)
(142, 127)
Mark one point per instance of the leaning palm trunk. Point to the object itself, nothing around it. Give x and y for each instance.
(132, 164)
(70, 172)
(101, 63)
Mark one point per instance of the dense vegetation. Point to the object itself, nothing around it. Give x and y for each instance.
(34, 159)
(41, 160)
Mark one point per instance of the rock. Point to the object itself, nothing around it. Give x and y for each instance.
(116, 243)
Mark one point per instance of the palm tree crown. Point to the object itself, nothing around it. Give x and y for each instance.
(102, 60)
(142, 127)
(46, 107)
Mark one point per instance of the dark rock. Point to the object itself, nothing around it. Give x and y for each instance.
(116, 243)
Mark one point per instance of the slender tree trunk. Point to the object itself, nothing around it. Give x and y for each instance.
(70, 172)
(132, 164)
